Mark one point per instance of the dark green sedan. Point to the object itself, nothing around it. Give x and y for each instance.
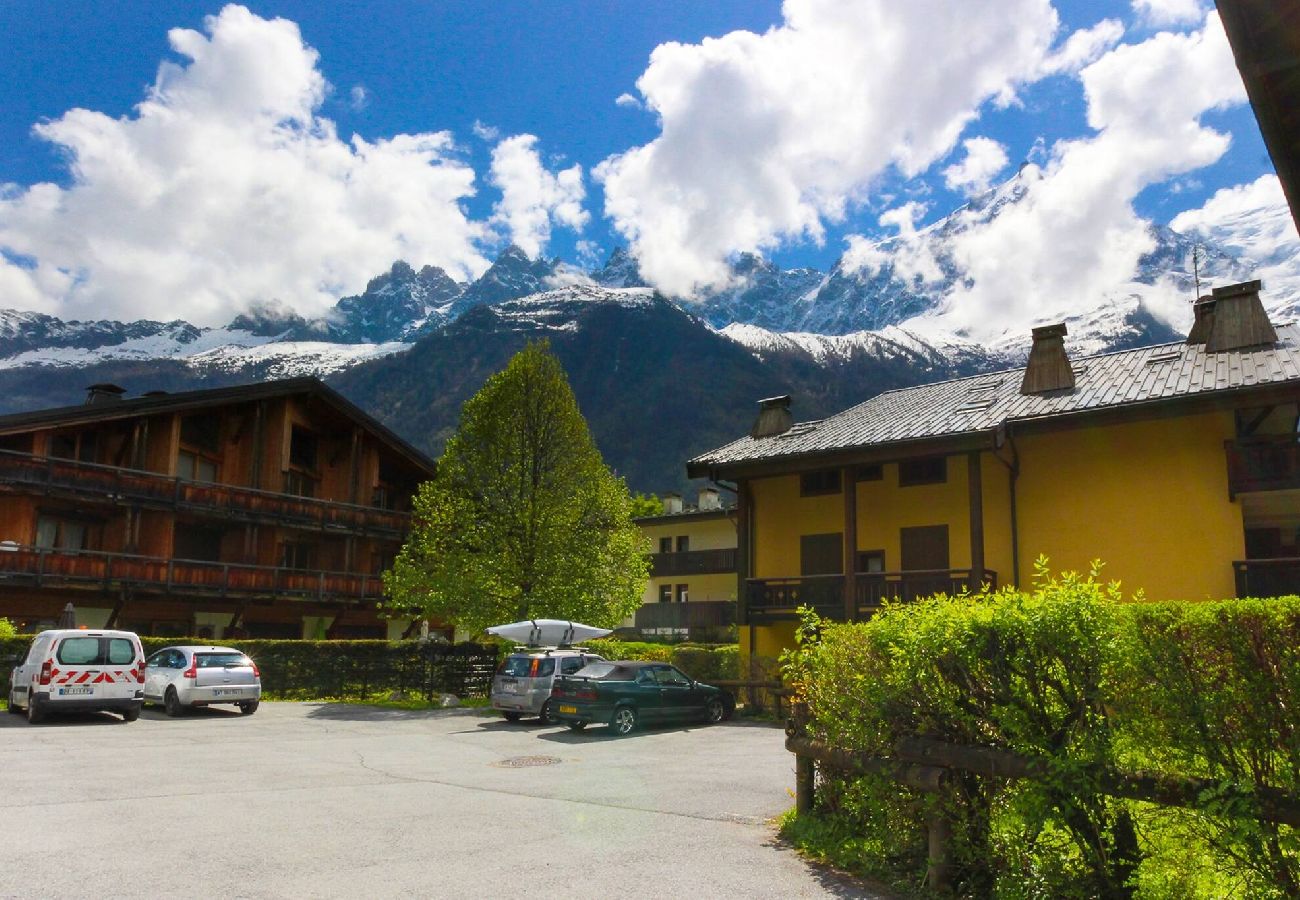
(625, 694)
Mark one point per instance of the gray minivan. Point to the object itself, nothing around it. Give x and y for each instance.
(522, 685)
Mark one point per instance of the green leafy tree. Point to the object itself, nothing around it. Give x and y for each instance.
(646, 505)
(523, 519)
(7, 629)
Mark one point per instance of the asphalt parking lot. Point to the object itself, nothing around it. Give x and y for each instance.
(331, 800)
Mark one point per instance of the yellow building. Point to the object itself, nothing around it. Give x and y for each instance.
(692, 586)
(1177, 465)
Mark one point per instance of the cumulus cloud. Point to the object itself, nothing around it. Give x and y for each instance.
(533, 198)
(1083, 47)
(225, 187)
(485, 132)
(627, 100)
(1074, 238)
(1169, 12)
(763, 137)
(358, 97)
(984, 159)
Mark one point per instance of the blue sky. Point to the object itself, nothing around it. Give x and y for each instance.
(484, 72)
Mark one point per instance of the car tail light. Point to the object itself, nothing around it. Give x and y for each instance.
(139, 671)
(257, 673)
(557, 691)
(193, 671)
(585, 693)
(45, 671)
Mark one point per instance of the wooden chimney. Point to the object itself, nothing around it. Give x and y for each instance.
(773, 417)
(1049, 367)
(1240, 321)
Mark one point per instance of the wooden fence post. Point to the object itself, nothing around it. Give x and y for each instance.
(938, 874)
(805, 779)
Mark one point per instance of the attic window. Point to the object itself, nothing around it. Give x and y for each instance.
(1164, 358)
(1079, 368)
(976, 404)
(800, 428)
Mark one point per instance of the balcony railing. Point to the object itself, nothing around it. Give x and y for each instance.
(1263, 465)
(693, 614)
(111, 484)
(693, 562)
(39, 567)
(780, 597)
(1267, 577)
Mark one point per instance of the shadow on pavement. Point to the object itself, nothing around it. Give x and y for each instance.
(66, 720)
(601, 732)
(359, 712)
(197, 712)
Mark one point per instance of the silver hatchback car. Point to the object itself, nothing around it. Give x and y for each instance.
(522, 686)
(183, 677)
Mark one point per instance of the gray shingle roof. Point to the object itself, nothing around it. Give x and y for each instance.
(983, 402)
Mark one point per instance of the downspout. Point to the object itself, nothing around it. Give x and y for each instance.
(1003, 436)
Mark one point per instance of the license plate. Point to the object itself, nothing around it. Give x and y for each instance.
(72, 691)
(568, 709)
(227, 692)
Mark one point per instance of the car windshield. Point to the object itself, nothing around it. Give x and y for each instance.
(96, 651)
(219, 660)
(605, 670)
(527, 666)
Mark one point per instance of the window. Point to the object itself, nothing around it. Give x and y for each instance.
(193, 467)
(665, 545)
(202, 432)
(670, 676)
(812, 484)
(821, 554)
(74, 445)
(869, 473)
(96, 651)
(299, 484)
(296, 555)
(60, 534)
(683, 543)
(927, 470)
(570, 664)
(871, 561)
(665, 593)
(682, 593)
(302, 448)
(383, 498)
(196, 542)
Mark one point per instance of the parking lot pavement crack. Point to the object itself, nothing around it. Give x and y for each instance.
(729, 818)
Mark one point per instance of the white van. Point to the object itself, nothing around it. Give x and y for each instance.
(77, 670)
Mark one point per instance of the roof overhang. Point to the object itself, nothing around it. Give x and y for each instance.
(1265, 39)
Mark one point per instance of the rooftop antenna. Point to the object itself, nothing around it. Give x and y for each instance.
(1196, 270)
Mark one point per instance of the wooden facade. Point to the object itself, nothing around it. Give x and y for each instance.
(268, 510)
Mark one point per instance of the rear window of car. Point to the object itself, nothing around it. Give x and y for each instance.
(95, 651)
(607, 671)
(219, 660)
(528, 666)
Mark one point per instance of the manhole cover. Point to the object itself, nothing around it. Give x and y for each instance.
(524, 762)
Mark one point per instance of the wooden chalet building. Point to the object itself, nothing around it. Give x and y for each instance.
(1177, 465)
(266, 510)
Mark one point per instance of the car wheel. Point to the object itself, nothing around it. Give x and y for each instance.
(248, 707)
(623, 721)
(34, 712)
(172, 703)
(131, 714)
(545, 715)
(577, 726)
(715, 711)
(513, 716)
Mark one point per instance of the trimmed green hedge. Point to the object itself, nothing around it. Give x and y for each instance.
(338, 669)
(704, 662)
(1065, 671)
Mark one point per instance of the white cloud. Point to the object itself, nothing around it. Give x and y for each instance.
(358, 97)
(1169, 12)
(1084, 47)
(765, 136)
(533, 198)
(627, 100)
(485, 132)
(985, 158)
(226, 188)
(1075, 239)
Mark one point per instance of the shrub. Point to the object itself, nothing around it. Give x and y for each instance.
(1068, 673)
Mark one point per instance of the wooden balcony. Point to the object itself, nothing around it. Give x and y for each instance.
(1267, 577)
(36, 567)
(1271, 464)
(689, 616)
(133, 487)
(779, 598)
(693, 562)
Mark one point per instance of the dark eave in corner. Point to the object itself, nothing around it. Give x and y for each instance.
(186, 401)
(1265, 39)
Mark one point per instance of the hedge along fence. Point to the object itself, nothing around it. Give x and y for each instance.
(1092, 690)
(341, 670)
(359, 669)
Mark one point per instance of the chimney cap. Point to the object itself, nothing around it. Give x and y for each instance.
(781, 401)
(1236, 290)
(103, 392)
(1050, 331)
